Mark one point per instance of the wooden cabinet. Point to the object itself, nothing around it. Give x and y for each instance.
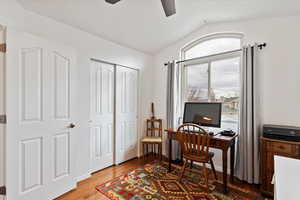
(269, 148)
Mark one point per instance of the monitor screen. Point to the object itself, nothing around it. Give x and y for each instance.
(203, 114)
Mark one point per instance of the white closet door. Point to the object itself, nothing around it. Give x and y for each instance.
(126, 114)
(40, 108)
(102, 115)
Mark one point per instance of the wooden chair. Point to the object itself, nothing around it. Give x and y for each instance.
(194, 143)
(153, 137)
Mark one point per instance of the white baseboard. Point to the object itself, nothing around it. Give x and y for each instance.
(83, 177)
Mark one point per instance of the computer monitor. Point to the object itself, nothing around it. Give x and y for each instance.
(203, 114)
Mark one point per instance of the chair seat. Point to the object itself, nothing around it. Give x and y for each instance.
(152, 139)
(199, 157)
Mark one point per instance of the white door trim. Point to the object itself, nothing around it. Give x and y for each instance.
(2, 109)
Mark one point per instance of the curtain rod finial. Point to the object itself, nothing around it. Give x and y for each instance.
(261, 46)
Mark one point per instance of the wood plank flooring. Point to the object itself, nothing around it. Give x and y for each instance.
(86, 189)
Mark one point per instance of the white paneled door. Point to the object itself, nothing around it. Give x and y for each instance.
(40, 118)
(102, 115)
(126, 114)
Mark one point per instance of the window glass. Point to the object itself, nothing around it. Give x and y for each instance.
(225, 88)
(197, 83)
(213, 46)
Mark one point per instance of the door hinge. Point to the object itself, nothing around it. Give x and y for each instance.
(2, 190)
(3, 48)
(2, 119)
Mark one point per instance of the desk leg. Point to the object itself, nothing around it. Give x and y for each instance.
(170, 154)
(224, 155)
(232, 158)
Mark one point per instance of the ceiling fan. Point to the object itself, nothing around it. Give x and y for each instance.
(168, 5)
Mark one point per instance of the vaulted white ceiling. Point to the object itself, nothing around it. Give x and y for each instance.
(142, 24)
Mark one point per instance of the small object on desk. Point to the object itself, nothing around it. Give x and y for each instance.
(227, 133)
(211, 133)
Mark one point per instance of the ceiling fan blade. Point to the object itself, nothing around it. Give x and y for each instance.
(169, 7)
(112, 1)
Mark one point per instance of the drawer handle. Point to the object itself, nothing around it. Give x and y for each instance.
(281, 147)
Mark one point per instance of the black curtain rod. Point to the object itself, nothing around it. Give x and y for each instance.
(260, 46)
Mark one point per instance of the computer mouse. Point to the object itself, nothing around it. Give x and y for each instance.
(211, 133)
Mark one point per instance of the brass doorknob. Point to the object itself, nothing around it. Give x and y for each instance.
(71, 125)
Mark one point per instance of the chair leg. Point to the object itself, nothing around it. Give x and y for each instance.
(160, 153)
(183, 169)
(213, 168)
(151, 149)
(206, 176)
(143, 151)
(146, 150)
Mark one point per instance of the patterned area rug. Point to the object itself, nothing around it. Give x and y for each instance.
(153, 182)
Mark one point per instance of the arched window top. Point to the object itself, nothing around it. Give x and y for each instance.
(212, 44)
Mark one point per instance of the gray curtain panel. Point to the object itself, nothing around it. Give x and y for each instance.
(247, 166)
(173, 102)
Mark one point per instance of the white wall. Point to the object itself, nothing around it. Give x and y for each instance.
(87, 46)
(279, 66)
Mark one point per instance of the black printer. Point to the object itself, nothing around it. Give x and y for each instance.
(278, 132)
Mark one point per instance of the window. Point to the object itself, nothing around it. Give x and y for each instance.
(215, 77)
(213, 46)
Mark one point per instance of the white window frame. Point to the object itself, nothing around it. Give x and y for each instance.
(206, 59)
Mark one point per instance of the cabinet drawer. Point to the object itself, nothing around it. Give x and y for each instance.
(281, 147)
(219, 144)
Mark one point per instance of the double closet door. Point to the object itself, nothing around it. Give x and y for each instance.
(113, 114)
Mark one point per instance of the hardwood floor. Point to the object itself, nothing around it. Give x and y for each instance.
(86, 189)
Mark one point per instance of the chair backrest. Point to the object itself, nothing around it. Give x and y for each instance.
(193, 139)
(154, 128)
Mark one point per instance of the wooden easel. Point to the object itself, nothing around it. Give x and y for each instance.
(152, 146)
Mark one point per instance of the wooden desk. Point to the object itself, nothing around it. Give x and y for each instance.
(218, 142)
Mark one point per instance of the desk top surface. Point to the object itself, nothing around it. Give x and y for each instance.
(217, 137)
